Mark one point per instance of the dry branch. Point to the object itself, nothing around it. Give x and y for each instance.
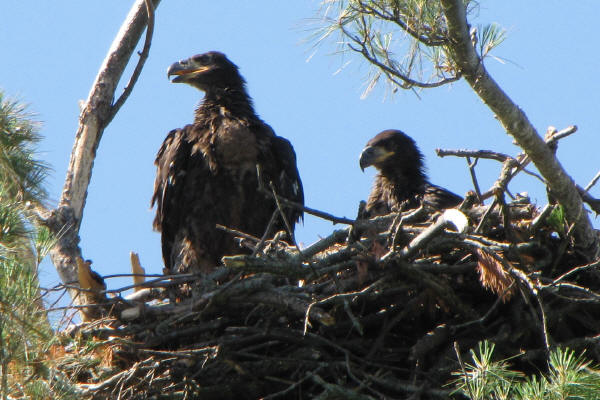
(96, 113)
(515, 123)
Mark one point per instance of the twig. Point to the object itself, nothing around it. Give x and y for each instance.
(485, 216)
(541, 217)
(237, 233)
(474, 178)
(492, 155)
(592, 182)
(138, 67)
(172, 280)
(593, 297)
(585, 267)
(464, 370)
(336, 236)
(95, 388)
(308, 210)
(558, 135)
(489, 312)
(545, 335)
(399, 222)
(591, 201)
(309, 374)
(336, 296)
(506, 174)
(392, 73)
(258, 248)
(423, 238)
(288, 227)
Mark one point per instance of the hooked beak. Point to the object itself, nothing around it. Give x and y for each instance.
(184, 70)
(372, 155)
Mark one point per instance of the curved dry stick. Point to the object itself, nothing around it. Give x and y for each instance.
(139, 66)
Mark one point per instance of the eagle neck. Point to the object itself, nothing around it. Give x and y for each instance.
(402, 183)
(231, 101)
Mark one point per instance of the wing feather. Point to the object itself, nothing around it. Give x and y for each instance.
(173, 161)
(288, 182)
(439, 198)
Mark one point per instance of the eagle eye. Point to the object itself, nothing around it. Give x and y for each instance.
(203, 59)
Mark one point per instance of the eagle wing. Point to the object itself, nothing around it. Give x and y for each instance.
(438, 198)
(288, 182)
(176, 161)
(198, 186)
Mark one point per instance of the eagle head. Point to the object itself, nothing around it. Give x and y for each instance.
(206, 71)
(391, 149)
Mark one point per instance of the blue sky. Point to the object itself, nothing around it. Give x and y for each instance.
(52, 51)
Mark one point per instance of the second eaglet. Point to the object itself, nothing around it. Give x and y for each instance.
(207, 171)
(401, 183)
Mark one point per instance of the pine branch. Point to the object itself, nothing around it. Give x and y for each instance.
(517, 125)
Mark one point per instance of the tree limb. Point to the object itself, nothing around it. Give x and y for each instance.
(97, 112)
(517, 125)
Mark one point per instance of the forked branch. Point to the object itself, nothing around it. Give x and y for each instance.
(517, 125)
(96, 114)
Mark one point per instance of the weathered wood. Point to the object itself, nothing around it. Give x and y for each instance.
(97, 112)
(516, 123)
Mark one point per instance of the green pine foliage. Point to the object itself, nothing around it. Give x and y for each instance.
(21, 174)
(569, 376)
(404, 41)
(26, 336)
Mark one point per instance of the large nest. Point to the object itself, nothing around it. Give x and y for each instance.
(376, 310)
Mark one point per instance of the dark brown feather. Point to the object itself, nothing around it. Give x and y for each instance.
(207, 174)
(401, 183)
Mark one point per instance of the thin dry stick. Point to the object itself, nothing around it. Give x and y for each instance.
(488, 312)
(237, 233)
(284, 218)
(474, 178)
(294, 385)
(488, 154)
(317, 213)
(258, 248)
(544, 323)
(464, 370)
(140, 64)
(592, 182)
(591, 265)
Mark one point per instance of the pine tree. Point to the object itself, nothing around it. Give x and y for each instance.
(25, 334)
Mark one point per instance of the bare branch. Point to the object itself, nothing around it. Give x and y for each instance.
(394, 74)
(517, 125)
(488, 154)
(472, 165)
(139, 66)
(396, 18)
(308, 210)
(592, 182)
(589, 199)
(96, 114)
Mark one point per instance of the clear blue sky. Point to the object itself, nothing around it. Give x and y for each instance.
(51, 52)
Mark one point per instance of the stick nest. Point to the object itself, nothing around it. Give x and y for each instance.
(376, 310)
(372, 311)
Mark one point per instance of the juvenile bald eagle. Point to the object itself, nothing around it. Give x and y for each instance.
(207, 171)
(401, 183)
